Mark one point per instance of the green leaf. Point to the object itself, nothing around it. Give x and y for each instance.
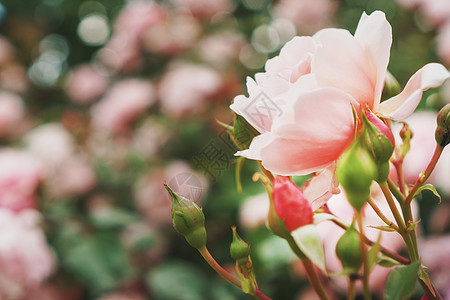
(243, 132)
(401, 282)
(411, 225)
(386, 261)
(426, 279)
(429, 187)
(308, 240)
(384, 228)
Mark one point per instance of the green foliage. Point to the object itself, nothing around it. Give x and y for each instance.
(401, 282)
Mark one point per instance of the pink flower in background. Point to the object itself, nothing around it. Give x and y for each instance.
(152, 199)
(253, 212)
(423, 144)
(204, 9)
(302, 104)
(221, 48)
(149, 138)
(25, 258)
(121, 105)
(12, 112)
(178, 33)
(185, 89)
(434, 254)
(123, 50)
(443, 43)
(67, 172)
(85, 84)
(6, 51)
(307, 15)
(20, 176)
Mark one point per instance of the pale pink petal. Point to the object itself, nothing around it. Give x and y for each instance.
(313, 132)
(375, 35)
(321, 187)
(341, 61)
(404, 104)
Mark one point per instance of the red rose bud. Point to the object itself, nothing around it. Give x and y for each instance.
(290, 205)
(188, 219)
(348, 250)
(239, 249)
(443, 126)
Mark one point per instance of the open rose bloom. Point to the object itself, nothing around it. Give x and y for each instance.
(309, 92)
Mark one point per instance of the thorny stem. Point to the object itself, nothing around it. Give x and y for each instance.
(227, 275)
(401, 178)
(365, 276)
(310, 271)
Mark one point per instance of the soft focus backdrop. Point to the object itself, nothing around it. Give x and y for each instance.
(103, 101)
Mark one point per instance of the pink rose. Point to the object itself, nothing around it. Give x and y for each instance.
(307, 15)
(20, 176)
(253, 212)
(221, 48)
(85, 84)
(12, 112)
(122, 104)
(302, 104)
(25, 258)
(185, 89)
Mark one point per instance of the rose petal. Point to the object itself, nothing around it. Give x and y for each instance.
(342, 62)
(314, 130)
(375, 35)
(404, 104)
(321, 187)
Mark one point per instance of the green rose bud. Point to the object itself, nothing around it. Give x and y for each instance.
(348, 250)
(443, 126)
(378, 139)
(239, 249)
(188, 219)
(355, 172)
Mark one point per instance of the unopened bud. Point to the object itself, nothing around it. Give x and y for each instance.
(348, 250)
(378, 139)
(355, 172)
(239, 249)
(188, 219)
(292, 208)
(443, 126)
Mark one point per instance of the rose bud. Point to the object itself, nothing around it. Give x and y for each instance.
(355, 172)
(188, 219)
(239, 249)
(291, 207)
(348, 250)
(443, 126)
(378, 139)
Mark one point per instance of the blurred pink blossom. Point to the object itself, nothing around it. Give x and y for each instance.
(443, 42)
(221, 48)
(204, 9)
(6, 51)
(121, 105)
(12, 112)
(25, 258)
(152, 199)
(123, 50)
(13, 77)
(178, 33)
(20, 176)
(253, 212)
(307, 15)
(68, 173)
(121, 296)
(149, 138)
(434, 254)
(85, 84)
(185, 89)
